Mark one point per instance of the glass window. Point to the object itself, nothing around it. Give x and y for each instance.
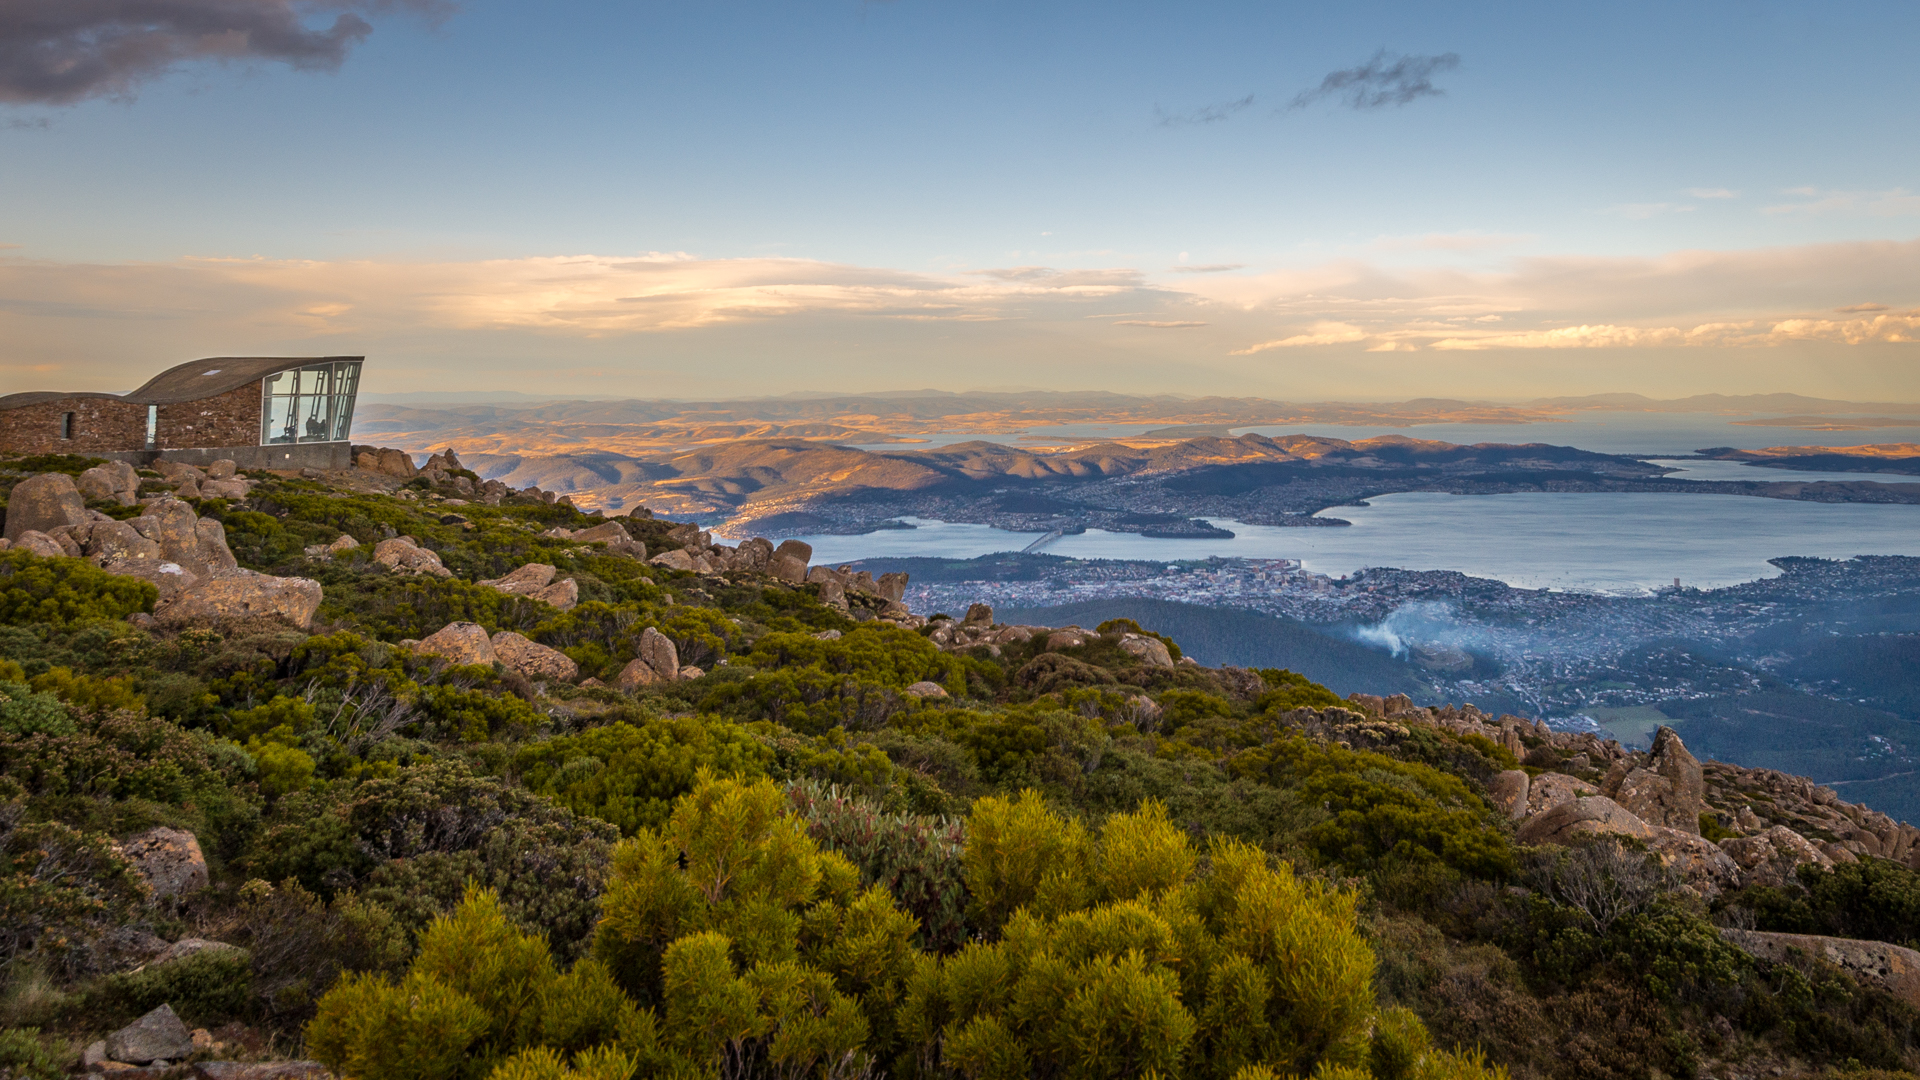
(309, 404)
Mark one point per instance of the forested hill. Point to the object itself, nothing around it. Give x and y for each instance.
(393, 773)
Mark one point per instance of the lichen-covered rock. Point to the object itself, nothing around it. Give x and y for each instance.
(677, 559)
(40, 544)
(169, 861)
(1669, 791)
(43, 503)
(1549, 790)
(1148, 650)
(459, 642)
(563, 594)
(1595, 815)
(1698, 861)
(532, 659)
(1508, 793)
(1773, 857)
(221, 470)
(924, 689)
(798, 550)
(615, 536)
(523, 581)
(157, 1036)
(636, 674)
(658, 650)
(1891, 967)
(105, 482)
(401, 555)
(242, 596)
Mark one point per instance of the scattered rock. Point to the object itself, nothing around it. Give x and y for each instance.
(115, 481)
(532, 659)
(43, 503)
(563, 594)
(828, 635)
(978, 615)
(157, 1036)
(924, 689)
(660, 654)
(615, 536)
(402, 555)
(1774, 857)
(1148, 650)
(1704, 867)
(459, 643)
(238, 596)
(1072, 637)
(387, 462)
(524, 581)
(1549, 790)
(1595, 815)
(785, 567)
(170, 862)
(226, 489)
(40, 544)
(677, 559)
(796, 549)
(221, 470)
(689, 673)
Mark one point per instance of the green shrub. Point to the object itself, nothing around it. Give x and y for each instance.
(24, 711)
(630, 774)
(23, 1054)
(60, 592)
(207, 989)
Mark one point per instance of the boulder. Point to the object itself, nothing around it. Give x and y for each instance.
(169, 861)
(981, 615)
(1070, 638)
(210, 548)
(1698, 861)
(110, 542)
(388, 462)
(242, 596)
(1773, 857)
(690, 673)
(524, 581)
(170, 578)
(43, 503)
(1669, 790)
(1507, 791)
(786, 567)
(226, 489)
(40, 544)
(532, 659)
(1890, 967)
(345, 543)
(459, 642)
(402, 555)
(636, 674)
(827, 635)
(106, 483)
(221, 470)
(1148, 650)
(796, 549)
(677, 559)
(1549, 790)
(615, 536)
(833, 594)
(924, 689)
(445, 461)
(1595, 815)
(192, 946)
(660, 654)
(157, 1036)
(892, 586)
(563, 594)
(753, 555)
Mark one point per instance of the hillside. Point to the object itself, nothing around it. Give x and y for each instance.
(393, 773)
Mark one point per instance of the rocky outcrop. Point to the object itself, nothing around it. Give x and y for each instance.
(524, 581)
(612, 534)
(532, 659)
(404, 555)
(1507, 791)
(1668, 790)
(169, 861)
(1574, 819)
(43, 503)
(386, 462)
(459, 643)
(1890, 967)
(1773, 857)
(1148, 650)
(242, 596)
(113, 482)
(157, 1036)
(1549, 790)
(658, 662)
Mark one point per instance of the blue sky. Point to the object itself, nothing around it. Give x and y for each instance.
(742, 197)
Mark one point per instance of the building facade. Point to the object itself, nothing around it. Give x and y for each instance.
(263, 412)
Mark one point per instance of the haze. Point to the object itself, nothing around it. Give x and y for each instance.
(1358, 201)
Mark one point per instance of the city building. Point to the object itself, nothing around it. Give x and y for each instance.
(263, 412)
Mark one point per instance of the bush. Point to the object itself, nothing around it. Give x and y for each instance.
(630, 774)
(60, 592)
(24, 711)
(207, 989)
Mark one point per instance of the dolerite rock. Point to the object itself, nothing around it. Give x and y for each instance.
(1890, 967)
(242, 596)
(157, 1036)
(676, 559)
(979, 615)
(1699, 862)
(796, 549)
(563, 594)
(169, 861)
(614, 535)
(221, 470)
(753, 555)
(1507, 791)
(1071, 637)
(1549, 790)
(460, 642)
(112, 542)
(925, 689)
(636, 674)
(1773, 857)
(532, 659)
(524, 581)
(43, 503)
(1595, 815)
(40, 544)
(660, 654)
(388, 462)
(1668, 791)
(170, 578)
(115, 481)
(893, 586)
(210, 548)
(403, 556)
(1150, 651)
(226, 489)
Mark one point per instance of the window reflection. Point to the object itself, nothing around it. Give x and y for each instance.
(309, 404)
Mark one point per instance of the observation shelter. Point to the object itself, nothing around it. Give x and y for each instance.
(263, 412)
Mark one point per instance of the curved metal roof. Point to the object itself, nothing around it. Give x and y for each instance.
(217, 375)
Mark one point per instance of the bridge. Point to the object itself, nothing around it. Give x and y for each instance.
(1043, 541)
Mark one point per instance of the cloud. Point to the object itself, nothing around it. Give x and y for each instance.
(1206, 114)
(1159, 325)
(1321, 333)
(1893, 202)
(1713, 193)
(1381, 81)
(57, 52)
(1209, 268)
(1851, 309)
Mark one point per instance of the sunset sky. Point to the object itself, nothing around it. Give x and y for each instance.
(1360, 201)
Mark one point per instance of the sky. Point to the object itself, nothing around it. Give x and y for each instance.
(1362, 201)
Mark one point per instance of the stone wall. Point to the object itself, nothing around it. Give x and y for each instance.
(231, 419)
(99, 424)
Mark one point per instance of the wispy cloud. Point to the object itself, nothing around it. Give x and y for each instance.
(1855, 309)
(1206, 114)
(1208, 268)
(1158, 325)
(1384, 80)
(56, 52)
(1893, 202)
(1321, 333)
